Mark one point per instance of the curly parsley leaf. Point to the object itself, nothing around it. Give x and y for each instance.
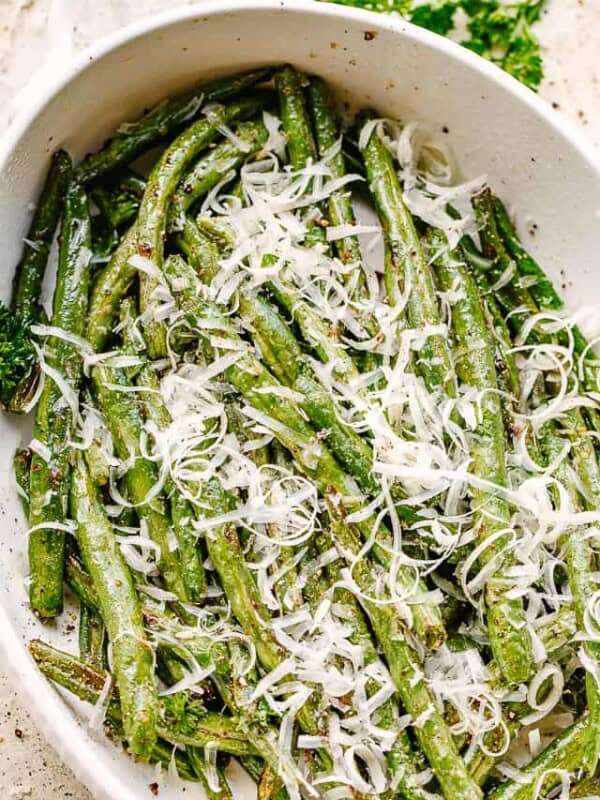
(383, 6)
(17, 353)
(438, 18)
(523, 59)
(182, 714)
(498, 31)
(502, 34)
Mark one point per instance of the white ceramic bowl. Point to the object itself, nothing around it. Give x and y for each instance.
(495, 127)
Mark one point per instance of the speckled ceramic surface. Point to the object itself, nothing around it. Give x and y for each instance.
(28, 767)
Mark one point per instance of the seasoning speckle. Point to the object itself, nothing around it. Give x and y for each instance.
(29, 769)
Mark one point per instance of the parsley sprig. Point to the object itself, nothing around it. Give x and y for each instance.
(402, 7)
(499, 31)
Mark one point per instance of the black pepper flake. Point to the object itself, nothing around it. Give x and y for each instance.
(154, 788)
(369, 36)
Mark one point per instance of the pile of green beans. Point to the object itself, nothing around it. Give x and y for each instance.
(139, 632)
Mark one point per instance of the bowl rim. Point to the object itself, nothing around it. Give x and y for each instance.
(22, 673)
(43, 90)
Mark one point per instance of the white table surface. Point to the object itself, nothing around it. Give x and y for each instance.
(43, 33)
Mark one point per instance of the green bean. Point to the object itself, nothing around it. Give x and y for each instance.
(86, 682)
(506, 367)
(587, 789)
(97, 464)
(220, 233)
(542, 291)
(542, 774)
(131, 652)
(197, 760)
(195, 754)
(294, 117)
(302, 150)
(401, 758)
(327, 135)
(406, 268)
(474, 363)
(581, 569)
(109, 288)
(283, 355)
(202, 648)
(556, 634)
(253, 766)
(269, 784)
(210, 729)
(165, 120)
(30, 269)
(54, 423)
(546, 297)
(190, 563)
(192, 569)
(249, 377)
(114, 281)
(430, 728)
(91, 637)
(288, 587)
(230, 687)
(237, 581)
(133, 183)
(300, 143)
(375, 553)
(199, 251)
(316, 331)
(124, 420)
(118, 199)
(22, 469)
(162, 183)
(511, 296)
(217, 163)
(580, 556)
(79, 581)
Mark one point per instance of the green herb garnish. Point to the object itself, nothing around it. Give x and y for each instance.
(498, 31)
(17, 354)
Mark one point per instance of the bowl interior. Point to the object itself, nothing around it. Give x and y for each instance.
(494, 126)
